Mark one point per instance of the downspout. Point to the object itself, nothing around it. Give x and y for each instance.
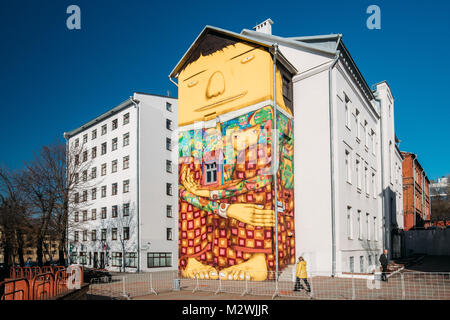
(136, 105)
(275, 155)
(332, 188)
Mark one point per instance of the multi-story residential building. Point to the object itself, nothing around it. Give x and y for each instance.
(337, 151)
(440, 188)
(125, 215)
(390, 163)
(416, 190)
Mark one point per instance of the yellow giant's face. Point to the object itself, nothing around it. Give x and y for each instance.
(229, 79)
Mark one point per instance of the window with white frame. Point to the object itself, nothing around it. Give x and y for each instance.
(126, 139)
(94, 134)
(366, 180)
(126, 186)
(169, 211)
(352, 264)
(85, 138)
(94, 214)
(114, 144)
(358, 173)
(126, 118)
(94, 152)
(169, 234)
(103, 148)
(114, 166)
(103, 169)
(349, 223)
(358, 131)
(211, 172)
(366, 135)
(103, 212)
(169, 166)
(375, 233)
(126, 209)
(103, 191)
(361, 264)
(104, 129)
(114, 124)
(169, 189)
(113, 233)
(348, 168)
(93, 172)
(114, 189)
(374, 186)
(347, 111)
(126, 162)
(360, 227)
(367, 226)
(168, 106)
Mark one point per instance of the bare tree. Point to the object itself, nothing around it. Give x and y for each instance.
(125, 224)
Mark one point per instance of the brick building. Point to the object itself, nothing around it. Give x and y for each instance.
(416, 193)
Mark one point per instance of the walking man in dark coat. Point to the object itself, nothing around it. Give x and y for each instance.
(384, 264)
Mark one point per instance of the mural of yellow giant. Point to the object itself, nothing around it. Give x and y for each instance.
(226, 178)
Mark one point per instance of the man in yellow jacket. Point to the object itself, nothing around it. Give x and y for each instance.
(301, 275)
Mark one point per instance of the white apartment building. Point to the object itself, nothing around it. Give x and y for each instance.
(126, 213)
(338, 155)
(391, 166)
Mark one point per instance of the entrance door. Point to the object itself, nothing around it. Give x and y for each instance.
(95, 260)
(102, 260)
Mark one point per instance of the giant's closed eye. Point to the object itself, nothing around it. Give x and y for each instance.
(192, 83)
(247, 58)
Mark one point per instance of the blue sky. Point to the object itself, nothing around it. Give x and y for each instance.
(53, 79)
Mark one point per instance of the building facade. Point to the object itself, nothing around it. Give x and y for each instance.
(338, 185)
(416, 190)
(123, 216)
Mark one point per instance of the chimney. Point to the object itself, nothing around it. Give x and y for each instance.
(264, 27)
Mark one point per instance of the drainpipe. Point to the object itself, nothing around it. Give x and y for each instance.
(136, 105)
(332, 189)
(275, 154)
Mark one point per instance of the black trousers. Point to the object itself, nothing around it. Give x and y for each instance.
(383, 273)
(298, 285)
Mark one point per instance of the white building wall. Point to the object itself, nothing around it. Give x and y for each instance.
(153, 177)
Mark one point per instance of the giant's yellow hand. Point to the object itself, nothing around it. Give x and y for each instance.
(252, 214)
(191, 185)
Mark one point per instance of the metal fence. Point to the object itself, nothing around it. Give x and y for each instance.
(400, 286)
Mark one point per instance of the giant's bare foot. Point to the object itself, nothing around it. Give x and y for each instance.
(195, 268)
(254, 269)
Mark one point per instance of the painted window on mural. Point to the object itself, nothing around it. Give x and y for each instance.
(211, 172)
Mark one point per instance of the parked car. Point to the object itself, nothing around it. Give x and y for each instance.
(102, 275)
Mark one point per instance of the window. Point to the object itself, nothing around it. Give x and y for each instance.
(94, 134)
(366, 180)
(374, 142)
(169, 189)
(103, 169)
(83, 257)
(94, 193)
(352, 264)
(114, 124)
(126, 233)
(114, 189)
(76, 177)
(359, 225)
(85, 156)
(75, 236)
(76, 197)
(168, 106)
(94, 214)
(114, 234)
(370, 260)
(93, 172)
(103, 212)
(374, 187)
(77, 159)
(85, 137)
(126, 139)
(131, 259)
(358, 133)
(390, 161)
(211, 172)
(366, 135)
(114, 144)
(375, 233)
(126, 186)
(126, 209)
(103, 191)
(349, 222)
(157, 260)
(367, 227)
(169, 124)
(76, 217)
(361, 264)
(168, 144)
(169, 211)
(84, 235)
(103, 234)
(169, 166)
(85, 215)
(358, 174)
(116, 259)
(126, 162)
(94, 235)
(169, 234)
(104, 129)
(77, 143)
(126, 118)
(348, 168)
(347, 111)
(85, 196)
(114, 166)
(114, 211)
(85, 175)
(103, 148)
